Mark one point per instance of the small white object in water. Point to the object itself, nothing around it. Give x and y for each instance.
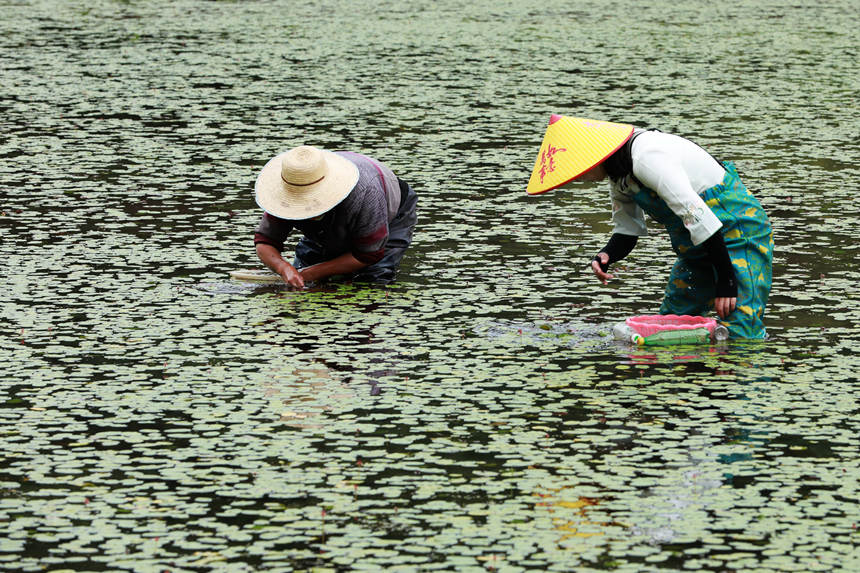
(256, 275)
(622, 332)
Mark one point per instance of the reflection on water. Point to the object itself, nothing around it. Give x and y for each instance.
(476, 415)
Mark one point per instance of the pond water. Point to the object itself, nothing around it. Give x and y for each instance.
(159, 416)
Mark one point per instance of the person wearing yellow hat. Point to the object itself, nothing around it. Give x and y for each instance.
(356, 216)
(720, 233)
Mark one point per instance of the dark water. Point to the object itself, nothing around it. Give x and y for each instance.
(158, 416)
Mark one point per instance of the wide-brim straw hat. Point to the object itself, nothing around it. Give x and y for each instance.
(572, 146)
(304, 182)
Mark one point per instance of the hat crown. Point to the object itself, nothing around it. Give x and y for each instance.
(303, 165)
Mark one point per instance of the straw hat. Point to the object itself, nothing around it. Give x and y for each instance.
(572, 146)
(304, 182)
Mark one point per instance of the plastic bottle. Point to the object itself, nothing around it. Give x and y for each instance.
(621, 331)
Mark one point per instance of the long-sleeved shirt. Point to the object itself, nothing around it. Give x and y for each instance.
(677, 170)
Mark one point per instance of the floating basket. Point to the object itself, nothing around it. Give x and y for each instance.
(666, 329)
(646, 325)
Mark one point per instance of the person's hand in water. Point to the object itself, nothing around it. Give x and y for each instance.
(271, 257)
(725, 306)
(603, 276)
(291, 276)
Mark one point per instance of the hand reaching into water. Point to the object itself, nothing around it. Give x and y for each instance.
(291, 276)
(725, 306)
(272, 258)
(602, 275)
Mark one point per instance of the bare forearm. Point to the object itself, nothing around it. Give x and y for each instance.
(342, 265)
(270, 257)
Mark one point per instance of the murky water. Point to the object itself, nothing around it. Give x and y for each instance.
(158, 416)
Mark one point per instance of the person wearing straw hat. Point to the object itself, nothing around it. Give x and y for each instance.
(356, 216)
(720, 233)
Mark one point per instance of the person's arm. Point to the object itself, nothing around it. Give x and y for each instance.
(269, 243)
(726, 295)
(271, 257)
(344, 264)
(618, 247)
(628, 221)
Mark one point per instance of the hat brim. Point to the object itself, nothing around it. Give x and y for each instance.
(277, 198)
(572, 146)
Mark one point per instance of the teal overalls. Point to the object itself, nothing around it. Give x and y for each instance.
(749, 240)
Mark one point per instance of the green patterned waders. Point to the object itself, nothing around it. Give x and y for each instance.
(749, 240)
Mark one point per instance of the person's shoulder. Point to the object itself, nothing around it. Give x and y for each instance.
(649, 138)
(368, 171)
(652, 139)
(649, 145)
(661, 147)
(359, 159)
(360, 195)
(351, 155)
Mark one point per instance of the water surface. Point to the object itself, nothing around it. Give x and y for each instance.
(474, 416)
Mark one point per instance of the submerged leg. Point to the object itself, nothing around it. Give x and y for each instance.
(752, 263)
(749, 240)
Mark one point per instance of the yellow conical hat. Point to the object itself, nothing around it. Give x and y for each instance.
(572, 146)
